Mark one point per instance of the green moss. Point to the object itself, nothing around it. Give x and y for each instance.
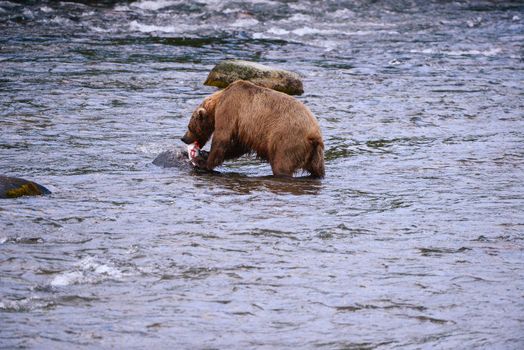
(28, 189)
(217, 83)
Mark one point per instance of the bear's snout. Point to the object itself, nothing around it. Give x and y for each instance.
(187, 139)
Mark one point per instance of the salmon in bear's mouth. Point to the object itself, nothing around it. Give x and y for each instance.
(197, 157)
(193, 151)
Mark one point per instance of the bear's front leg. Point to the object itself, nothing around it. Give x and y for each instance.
(217, 152)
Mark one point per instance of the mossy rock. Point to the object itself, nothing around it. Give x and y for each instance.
(229, 71)
(13, 187)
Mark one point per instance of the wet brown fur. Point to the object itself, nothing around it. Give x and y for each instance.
(246, 118)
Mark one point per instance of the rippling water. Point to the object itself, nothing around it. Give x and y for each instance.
(413, 240)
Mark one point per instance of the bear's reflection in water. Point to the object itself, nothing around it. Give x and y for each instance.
(241, 183)
(244, 184)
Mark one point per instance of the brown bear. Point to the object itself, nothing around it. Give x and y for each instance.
(246, 118)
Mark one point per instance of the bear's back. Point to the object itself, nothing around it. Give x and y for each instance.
(250, 100)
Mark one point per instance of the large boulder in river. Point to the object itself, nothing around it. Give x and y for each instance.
(229, 71)
(12, 187)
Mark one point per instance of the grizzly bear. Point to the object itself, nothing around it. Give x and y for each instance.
(246, 118)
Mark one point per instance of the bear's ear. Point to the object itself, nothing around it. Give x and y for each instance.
(201, 113)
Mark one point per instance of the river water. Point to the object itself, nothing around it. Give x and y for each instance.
(414, 239)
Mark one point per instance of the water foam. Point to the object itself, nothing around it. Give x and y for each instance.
(121, 8)
(87, 271)
(61, 20)
(343, 13)
(300, 31)
(488, 52)
(244, 22)
(24, 305)
(299, 17)
(150, 28)
(99, 29)
(278, 31)
(46, 9)
(307, 31)
(28, 14)
(67, 278)
(153, 5)
(310, 31)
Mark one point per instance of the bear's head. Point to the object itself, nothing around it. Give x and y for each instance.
(200, 128)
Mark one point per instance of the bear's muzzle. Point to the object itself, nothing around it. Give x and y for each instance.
(188, 138)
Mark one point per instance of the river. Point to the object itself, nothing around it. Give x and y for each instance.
(414, 240)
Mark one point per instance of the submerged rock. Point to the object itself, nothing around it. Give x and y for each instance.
(178, 158)
(229, 71)
(12, 187)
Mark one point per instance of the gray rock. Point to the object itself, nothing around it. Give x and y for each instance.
(12, 187)
(229, 71)
(177, 158)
